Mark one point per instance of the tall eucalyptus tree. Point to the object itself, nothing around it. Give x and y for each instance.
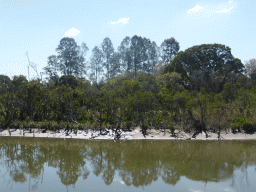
(108, 51)
(170, 48)
(153, 55)
(81, 67)
(145, 56)
(149, 55)
(137, 48)
(96, 64)
(115, 67)
(68, 55)
(125, 54)
(52, 68)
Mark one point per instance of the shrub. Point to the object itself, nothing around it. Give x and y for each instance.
(80, 126)
(128, 124)
(38, 124)
(127, 118)
(21, 125)
(91, 121)
(144, 127)
(62, 125)
(239, 122)
(54, 125)
(25, 124)
(82, 121)
(159, 117)
(75, 126)
(172, 129)
(233, 128)
(249, 128)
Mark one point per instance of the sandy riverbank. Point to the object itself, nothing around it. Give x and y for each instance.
(127, 135)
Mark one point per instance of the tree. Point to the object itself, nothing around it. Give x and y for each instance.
(108, 51)
(68, 56)
(170, 81)
(158, 69)
(69, 80)
(115, 66)
(250, 70)
(33, 66)
(153, 56)
(125, 54)
(52, 68)
(202, 78)
(214, 58)
(4, 82)
(137, 48)
(145, 55)
(96, 64)
(81, 65)
(250, 67)
(170, 48)
(19, 80)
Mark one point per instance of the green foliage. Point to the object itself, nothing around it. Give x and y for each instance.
(240, 120)
(69, 80)
(159, 117)
(129, 87)
(62, 125)
(106, 125)
(187, 61)
(142, 97)
(170, 81)
(172, 129)
(104, 118)
(145, 127)
(127, 124)
(128, 118)
(249, 127)
(91, 121)
(83, 121)
(53, 125)
(244, 123)
(253, 90)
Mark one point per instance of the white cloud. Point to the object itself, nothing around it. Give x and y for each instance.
(118, 180)
(225, 10)
(197, 8)
(194, 190)
(228, 189)
(123, 20)
(200, 10)
(72, 32)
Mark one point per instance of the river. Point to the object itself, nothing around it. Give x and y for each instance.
(50, 164)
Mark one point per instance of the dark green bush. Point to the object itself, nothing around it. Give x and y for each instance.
(82, 121)
(172, 129)
(128, 118)
(249, 128)
(128, 124)
(239, 122)
(91, 121)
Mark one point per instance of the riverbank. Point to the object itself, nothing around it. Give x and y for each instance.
(134, 134)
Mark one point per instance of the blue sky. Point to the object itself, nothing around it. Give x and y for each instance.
(37, 26)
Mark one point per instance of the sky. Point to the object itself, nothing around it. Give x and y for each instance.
(37, 26)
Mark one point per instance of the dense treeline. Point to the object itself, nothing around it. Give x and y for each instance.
(201, 88)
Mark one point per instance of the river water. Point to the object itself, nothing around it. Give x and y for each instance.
(47, 164)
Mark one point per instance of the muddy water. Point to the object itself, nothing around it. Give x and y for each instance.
(46, 164)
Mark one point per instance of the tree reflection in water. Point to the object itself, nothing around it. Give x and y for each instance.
(139, 163)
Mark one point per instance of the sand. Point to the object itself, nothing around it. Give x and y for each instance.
(135, 134)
